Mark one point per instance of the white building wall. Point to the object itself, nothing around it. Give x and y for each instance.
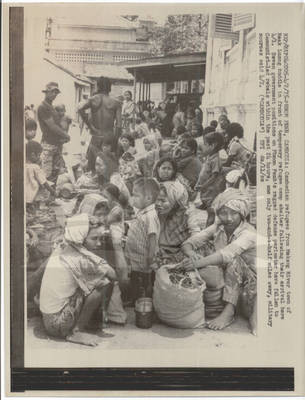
(231, 79)
(92, 33)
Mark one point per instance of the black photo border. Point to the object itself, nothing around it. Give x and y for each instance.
(97, 379)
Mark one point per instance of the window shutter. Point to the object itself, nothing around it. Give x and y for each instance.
(243, 21)
(222, 27)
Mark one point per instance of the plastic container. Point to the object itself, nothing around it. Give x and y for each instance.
(144, 312)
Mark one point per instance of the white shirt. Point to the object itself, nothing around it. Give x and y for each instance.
(58, 285)
(34, 179)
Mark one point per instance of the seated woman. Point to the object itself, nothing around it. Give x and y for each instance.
(229, 269)
(189, 166)
(238, 149)
(166, 169)
(77, 285)
(171, 206)
(107, 172)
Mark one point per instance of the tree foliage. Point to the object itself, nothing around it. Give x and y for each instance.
(180, 34)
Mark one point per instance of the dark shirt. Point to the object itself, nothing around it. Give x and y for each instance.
(45, 112)
(190, 168)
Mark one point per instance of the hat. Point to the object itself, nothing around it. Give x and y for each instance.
(51, 86)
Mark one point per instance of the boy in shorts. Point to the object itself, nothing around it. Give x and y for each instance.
(143, 236)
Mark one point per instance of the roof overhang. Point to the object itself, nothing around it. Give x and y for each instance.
(170, 68)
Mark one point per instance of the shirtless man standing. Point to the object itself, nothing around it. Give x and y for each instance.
(105, 121)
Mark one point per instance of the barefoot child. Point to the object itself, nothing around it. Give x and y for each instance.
(36, 184)
(143, 236)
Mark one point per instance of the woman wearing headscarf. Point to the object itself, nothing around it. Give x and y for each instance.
(171, 206)
(229, 268)
(189, 166)
(93, 204)
(77, 284)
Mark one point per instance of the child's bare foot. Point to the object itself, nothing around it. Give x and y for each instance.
(224, 319)
(82, 338)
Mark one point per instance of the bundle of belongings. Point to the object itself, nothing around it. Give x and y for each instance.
(178, 297)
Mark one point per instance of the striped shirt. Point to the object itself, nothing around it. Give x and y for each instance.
(137, 243)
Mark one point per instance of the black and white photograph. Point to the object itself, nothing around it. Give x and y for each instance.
(154, 198)
(140, 181)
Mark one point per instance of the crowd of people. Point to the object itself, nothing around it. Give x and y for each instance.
(155, 188)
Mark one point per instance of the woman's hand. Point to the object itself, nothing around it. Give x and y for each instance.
(188, 251)
(195, 262)
(193, 255)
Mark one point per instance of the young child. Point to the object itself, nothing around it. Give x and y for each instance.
(107, 147)
(150, 143)
(30, 129)
(141, 127)
(126, 144)
(180, 138)
(143, 236)
(36, 184)
(64, 121)
(155, 132)
(128, 169)
(116, 204)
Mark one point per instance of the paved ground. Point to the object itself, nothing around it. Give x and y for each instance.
(236, 336)
(158, 337)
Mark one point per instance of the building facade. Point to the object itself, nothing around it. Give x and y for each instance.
(73, 89)
(107, 40)
(231, 71)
